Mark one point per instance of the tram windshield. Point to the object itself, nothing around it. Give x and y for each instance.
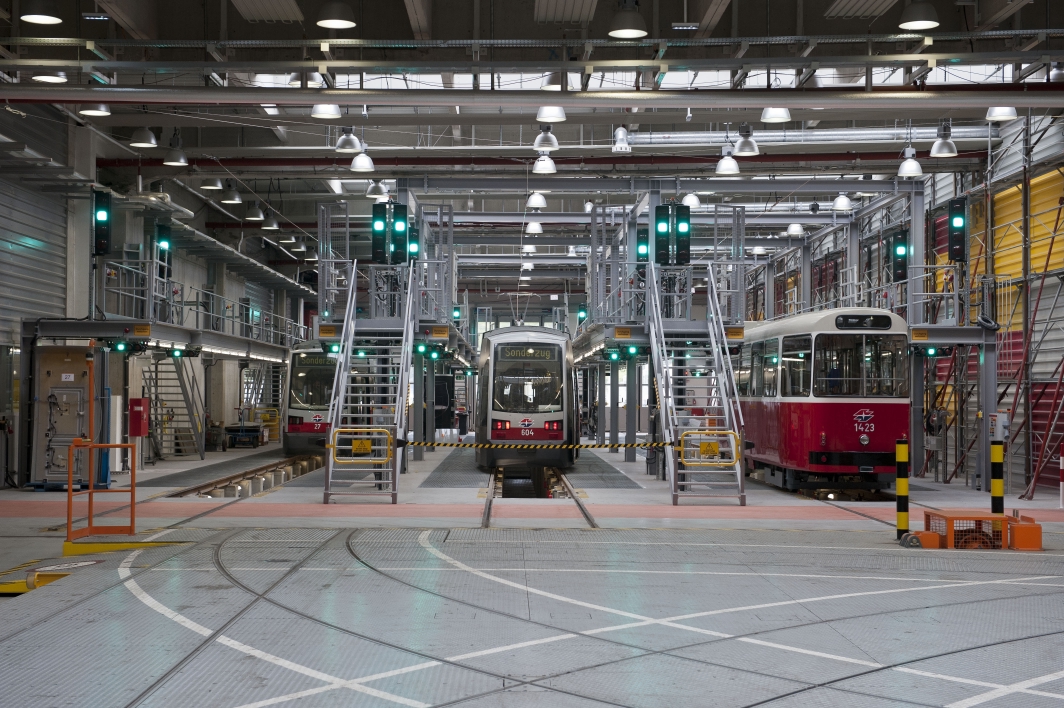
(863, 365)
(528, 378)
(312, 379)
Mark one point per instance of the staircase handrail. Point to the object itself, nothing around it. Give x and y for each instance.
(343, 361)
(719, 340)
(405, 362)
(662, 372)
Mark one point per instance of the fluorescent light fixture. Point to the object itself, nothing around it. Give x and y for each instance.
(997, 114)
(336, 15)
(50, 77)
(544, 166)
(919, 15)
(526, 277)
(143, 138)
(362, 163)
(536, 201)
(691, 200)
(550, 114)
(325, 111)
(95, 109)
(759, 251)
(685, 26)
(627, 23)
(775, 115)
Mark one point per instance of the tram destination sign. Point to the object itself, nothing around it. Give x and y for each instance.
(528, 352)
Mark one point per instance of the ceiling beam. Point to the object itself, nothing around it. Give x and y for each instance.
(993, 12)
(420, 14)
(136, 17)
(708, 14)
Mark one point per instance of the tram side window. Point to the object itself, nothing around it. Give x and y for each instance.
(742, 371)
(837, 365)
(886, 364)
(771, 364)
(796, 371)
(757, 369)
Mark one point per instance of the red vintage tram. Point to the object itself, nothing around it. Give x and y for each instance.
(825, 396)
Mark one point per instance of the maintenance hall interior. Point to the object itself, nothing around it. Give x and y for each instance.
(531, 353)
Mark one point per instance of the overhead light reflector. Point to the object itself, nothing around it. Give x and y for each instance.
(919, 15)
(544, 166)
(550, 114)
(41, 12)
(95, 109)
(336, 15)
(998, 114)
(362, 163)
(143, 138)
(536, 201)
(326, 111)
(775, 115)
(627, 23)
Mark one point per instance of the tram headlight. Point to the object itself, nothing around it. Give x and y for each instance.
(864, 439)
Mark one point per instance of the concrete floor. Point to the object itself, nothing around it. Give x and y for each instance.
(281, 600)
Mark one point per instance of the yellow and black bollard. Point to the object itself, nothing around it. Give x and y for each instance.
(997, 477)
(901, 490)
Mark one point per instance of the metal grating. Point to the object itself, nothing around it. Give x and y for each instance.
(577, 12)
(269, 10)
(860, 9)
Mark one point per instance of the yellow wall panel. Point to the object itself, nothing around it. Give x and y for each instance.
(1046, 192)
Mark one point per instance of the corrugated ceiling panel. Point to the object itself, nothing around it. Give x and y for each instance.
(571, 11)
(846, 9)
(269, 10)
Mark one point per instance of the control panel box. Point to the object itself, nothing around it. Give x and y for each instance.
(61, 400)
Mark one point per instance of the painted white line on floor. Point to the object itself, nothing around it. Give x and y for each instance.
(669, 572)
(510, 647)
(158, 535)
(144, 597)
(1006, 690)
(810, 652)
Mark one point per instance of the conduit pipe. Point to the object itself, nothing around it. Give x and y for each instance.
(833, 135)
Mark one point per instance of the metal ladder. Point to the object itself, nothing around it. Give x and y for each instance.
(367, 412)
(177, 412)
(699, 404)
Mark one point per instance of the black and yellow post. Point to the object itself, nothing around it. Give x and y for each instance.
(901, 488)
(997, 477)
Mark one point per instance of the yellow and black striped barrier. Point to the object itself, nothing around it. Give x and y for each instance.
(901, 489)
(997, 477)
(536, 446)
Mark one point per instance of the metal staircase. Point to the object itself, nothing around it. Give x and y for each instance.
(177, 412)
(699, 402)
(368, 412)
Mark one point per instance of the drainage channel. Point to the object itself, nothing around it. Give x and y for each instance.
(254, 481)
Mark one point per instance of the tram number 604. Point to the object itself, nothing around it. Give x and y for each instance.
(527, 433)
(864, 427)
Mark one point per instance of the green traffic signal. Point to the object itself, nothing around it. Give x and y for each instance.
(378, 224)
(456, 314)
(421, 348)
(400, 226)
(175, 353)
(581, 314)
(958, 222)
(101, 215)
(900, 250)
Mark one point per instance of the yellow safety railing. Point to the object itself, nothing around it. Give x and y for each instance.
(368, 446)
(271, 421)
(710, 452)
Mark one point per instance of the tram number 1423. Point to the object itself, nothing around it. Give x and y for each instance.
(864, 427)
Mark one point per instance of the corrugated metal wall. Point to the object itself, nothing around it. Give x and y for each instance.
(33, 228)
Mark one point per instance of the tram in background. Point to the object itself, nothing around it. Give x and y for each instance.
(825, 397)
(526, 393)
(310, 382)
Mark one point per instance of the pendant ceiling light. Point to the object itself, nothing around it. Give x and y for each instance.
(314, 80)
(627, 23)
(795, 230)
(376, 190)
(230, 195)
(528, 248)
(620, 141)
(727, 164)
(254, 213)
(589, 206)
(348, 143)
(300, 247)
(692, 201)
(919, 15)
(336, 15)
(745, 146)
(41, 12)
(175, 156)
(550, 114)
(544, 165)
(95, 109)
(533, 227)
(545, 141)
(553, 81)
(143, 138)
(998, 114)
(270, 222)
(362, 163)
(326, 111)
(211, 184)
(536, 201)
(910, 169)
(944, 147)
(1056, 74)
(50, 77)
(842, 203)
(775, 115)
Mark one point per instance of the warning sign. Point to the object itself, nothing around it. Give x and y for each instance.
(919, 335)
(361, 447)
(141, 330)
(709, 449)
(327, 331)
(733, 332)
(622, 332)
(440, 333)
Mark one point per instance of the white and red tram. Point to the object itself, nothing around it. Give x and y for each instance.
(825, 397)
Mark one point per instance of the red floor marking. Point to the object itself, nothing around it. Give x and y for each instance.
(350, 510)
(716, 511)
(50, 508)
(535, 511)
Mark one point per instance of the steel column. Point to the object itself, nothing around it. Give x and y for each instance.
(430, 406)
(914, 288)
(419, 406)
(600, 398)
(614, 409)
(631, 411)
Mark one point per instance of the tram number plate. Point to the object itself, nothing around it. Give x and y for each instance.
(709, 449)
(864, 427)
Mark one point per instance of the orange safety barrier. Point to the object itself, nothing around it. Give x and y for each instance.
(976, 530)
(88, 445)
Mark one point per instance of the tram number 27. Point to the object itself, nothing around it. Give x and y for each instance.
(864, 427)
